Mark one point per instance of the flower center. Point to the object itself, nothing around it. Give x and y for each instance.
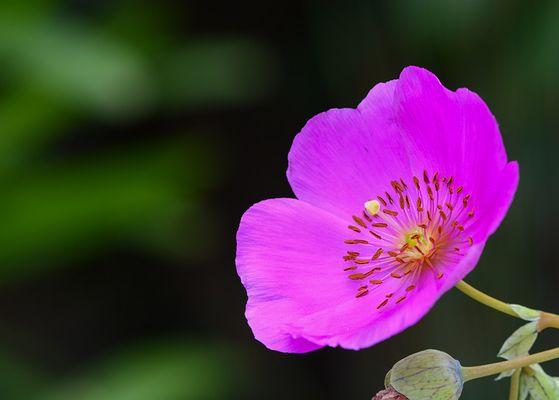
(406, 233)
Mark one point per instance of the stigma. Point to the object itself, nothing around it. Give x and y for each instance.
(415, 230)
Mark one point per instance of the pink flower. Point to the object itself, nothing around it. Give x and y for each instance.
(395, 201)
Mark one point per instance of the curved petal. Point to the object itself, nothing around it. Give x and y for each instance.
(342, 157)
(458, 136)
(289, 258)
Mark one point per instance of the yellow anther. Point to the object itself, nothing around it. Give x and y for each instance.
(372, 207)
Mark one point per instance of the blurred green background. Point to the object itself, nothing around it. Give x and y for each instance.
(134, 134)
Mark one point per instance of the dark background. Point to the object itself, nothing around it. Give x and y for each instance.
(134, 134)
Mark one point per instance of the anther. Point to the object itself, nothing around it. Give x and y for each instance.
(401, 299)
(379, 225)
(416, 182)
(375, 235)
(419, 207)
(362, 293)
(382, 304)
(354, 228)
(390, 212)
(382, 201)
(425, 176)
(403, 184)
(410, 288)
(355, 241)
(375, 281)
(359, 221)
(377, 254)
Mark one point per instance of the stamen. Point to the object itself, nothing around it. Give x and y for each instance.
(382, 304)
(429, 233)
(355, 241)
(359, 221)
(362, 293)
(390, 212)
(377, 254)
(389, 197)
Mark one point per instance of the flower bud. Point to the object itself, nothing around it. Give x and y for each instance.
(429, 375)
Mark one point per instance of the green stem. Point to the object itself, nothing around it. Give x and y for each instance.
(481, 371)
(547, 320)
(514, 384)
(483, 298)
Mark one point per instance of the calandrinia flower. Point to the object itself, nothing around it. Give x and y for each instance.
(395, 201)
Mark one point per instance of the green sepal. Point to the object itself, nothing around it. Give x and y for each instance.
(503, 375)
(525, 313)
(537, 385)
(520, 342)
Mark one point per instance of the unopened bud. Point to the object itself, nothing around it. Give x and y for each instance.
(427, 375)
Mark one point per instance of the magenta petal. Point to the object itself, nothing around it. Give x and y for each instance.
(289, 260)
(457, 135)
(343, 156)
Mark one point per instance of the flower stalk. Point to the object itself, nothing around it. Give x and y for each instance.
(514, 385)
(481, 371)
(485, 299)
(546, 320)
